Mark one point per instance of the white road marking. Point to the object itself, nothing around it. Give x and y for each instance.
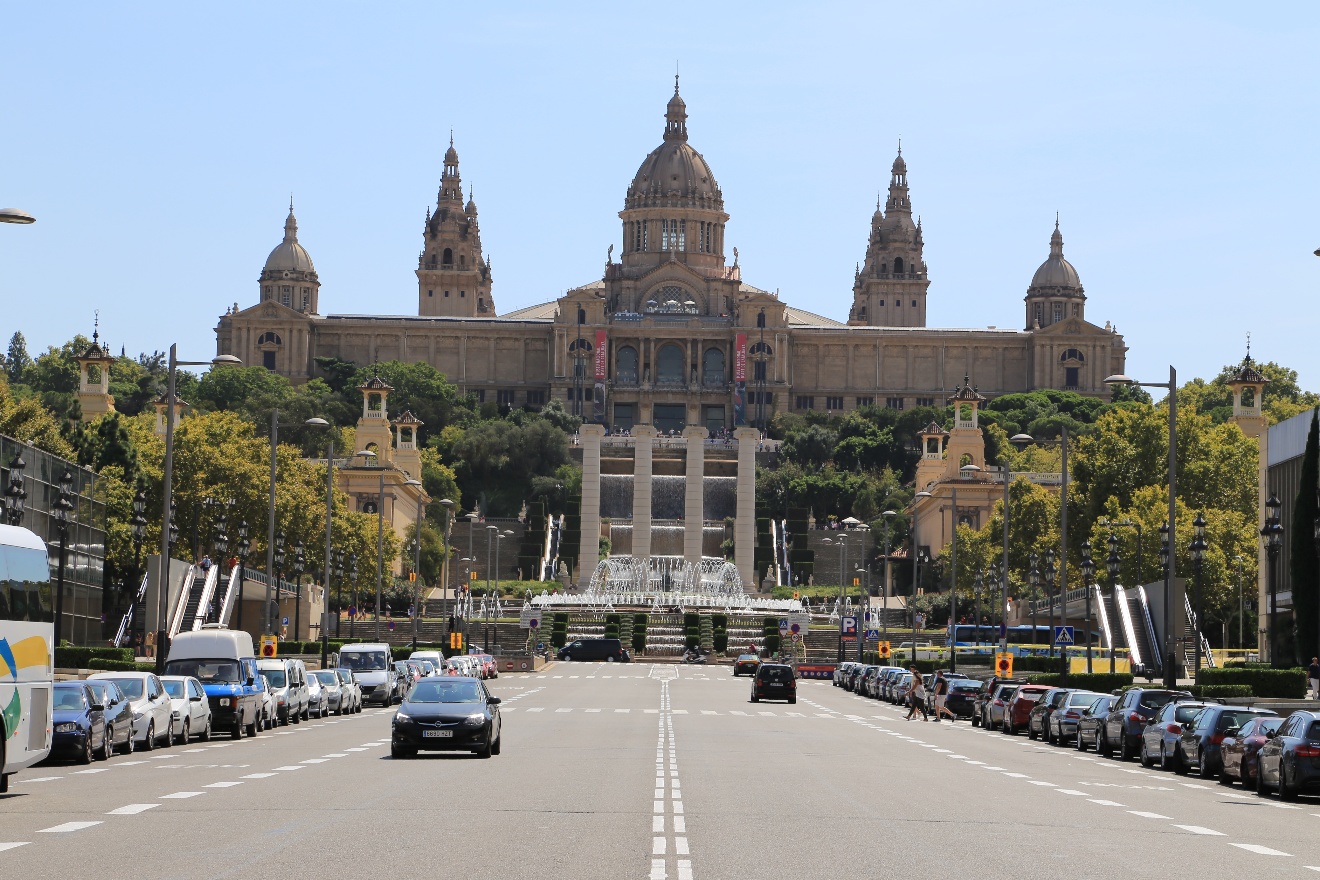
(93, 770)
(222, 785)
(657, 846)
(259, 776)
(1197, 829)
(132, 809)
(291, 767)
(5, 846)
(42, 779)
(67, 827)
(335, 755)
(1105, 803)
(1260, 850)
(681, 846)
(1147, 815)
(180, 795)
(1069, 791)
(658, 869)
(684, 869)
(315, 761)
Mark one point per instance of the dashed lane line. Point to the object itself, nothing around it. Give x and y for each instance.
(132, 809)
(68, 827)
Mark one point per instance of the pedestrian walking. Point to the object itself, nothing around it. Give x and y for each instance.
(205, 564)
(1313, 673)
(916, 697)
(941, 695)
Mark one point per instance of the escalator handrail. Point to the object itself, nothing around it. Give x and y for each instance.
(208, 591)
(1156, 658)
(1104, 618)
(1125, 615)
(176, 619)
(230, 596)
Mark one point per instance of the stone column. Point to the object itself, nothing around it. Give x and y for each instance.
(643, 435)
(694, 507)
(589, 549)
(744, 524)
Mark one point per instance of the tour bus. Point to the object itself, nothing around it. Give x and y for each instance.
(27, 657)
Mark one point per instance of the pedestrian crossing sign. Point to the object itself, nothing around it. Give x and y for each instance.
(1004, 665)
(1063, 635)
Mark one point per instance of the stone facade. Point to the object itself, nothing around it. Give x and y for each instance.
(670, 334)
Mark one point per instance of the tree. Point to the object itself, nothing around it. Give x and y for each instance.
(419, 388)
(17, 360)
(30, 422)
(1304, 564)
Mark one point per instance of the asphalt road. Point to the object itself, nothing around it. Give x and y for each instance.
(639, 771)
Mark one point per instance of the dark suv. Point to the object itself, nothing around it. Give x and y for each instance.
(594, 649)
(774, 681)
(1129, 716)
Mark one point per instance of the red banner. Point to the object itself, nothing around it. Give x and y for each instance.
(740, 358)
(600, 354)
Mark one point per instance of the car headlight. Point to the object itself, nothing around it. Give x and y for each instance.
(66, 727)
(475, 720)
(402, 718)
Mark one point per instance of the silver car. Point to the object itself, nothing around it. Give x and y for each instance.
(352, 694)
(152, 721)
(334, 693)
(190, 710)
(318, 704)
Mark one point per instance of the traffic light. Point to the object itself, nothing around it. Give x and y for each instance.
(455, 641)
(1004, 665)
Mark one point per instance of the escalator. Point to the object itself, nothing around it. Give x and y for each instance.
(189, 594)
(125, 632)
(224, 602)
(1138, 632)
(1108, 629)
(194, 615)
(1194, 632)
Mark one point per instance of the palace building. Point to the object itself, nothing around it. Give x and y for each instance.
(670, 334)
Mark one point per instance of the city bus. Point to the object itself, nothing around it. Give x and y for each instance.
(27, 656)
(1021, 637)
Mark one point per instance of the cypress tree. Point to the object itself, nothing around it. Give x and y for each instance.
(1304, 563)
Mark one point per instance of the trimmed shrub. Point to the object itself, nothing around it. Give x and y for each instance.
(613, 620)
(772, 641)
(104, 665)
(1100, 682)
(1288, 684)
(558, 637)
(639, 633)
(719, 621)
(719, 640)
(1221, 691)
(71, 657)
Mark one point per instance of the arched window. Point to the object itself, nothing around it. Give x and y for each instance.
(712, 367)
(582, 316)
(1248, 397)
(447, 258)
(462, 261)
(898, 265)
(669, 365)
(625, 367)
(671, 300)
(1072, 354)
(270, 337)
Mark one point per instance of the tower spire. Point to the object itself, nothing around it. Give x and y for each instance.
(676, 116)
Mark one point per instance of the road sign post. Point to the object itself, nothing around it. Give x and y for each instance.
(848, 628)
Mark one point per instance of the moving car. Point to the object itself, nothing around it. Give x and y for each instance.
(118, 717)
(436, 658)
(188, 706)
(447, 714)
(1289, 762)
(746, 665)
(1162, 734)
(150, 704)
(79, 722)
(1092, 721)
(1199, 745)
(1062, 724)
(372, 666)
(1239, 751)
(774, 681)
(609, 650)
(1129, 716)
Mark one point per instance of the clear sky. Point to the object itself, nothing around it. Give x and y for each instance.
(158, 144)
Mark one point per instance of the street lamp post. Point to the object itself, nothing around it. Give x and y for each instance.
(1111, 565)
(865, 574)
(416, 547)
(977, 586)
(244, 547)
(329, 522)
(276, 555)
(919, 560)
(1088, 573)
(1272, 532)
(353, 577)
(1242, 608)
(63, 510)
(1034, 579)
(15, 494)
(1166, 555)
(299, 566)
(1198, 568)
(884, 608)
(1050, 573)
(220, 542)
(138, 528)
(842, 541)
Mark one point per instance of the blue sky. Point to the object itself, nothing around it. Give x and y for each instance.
(157, 144)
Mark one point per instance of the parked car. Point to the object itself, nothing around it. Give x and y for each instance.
(436, 657)
(454, 714)
(1162, 734)
(1018, 710)
(1092, 721)
(1062, 723)
(79, 722)
(962, 697)
(491, 669)
(1289, 762)
(899, 691)
(267, 718)
(885, 681)
(350, 690)
(428, 668)
(774, 681)
(334, 692)
(1199, 745)
(150, 704)
(118, 717)
(1128, 718)
(372, 666)
(997, 708)
(1239, 751)
(1039, 719)
(318, 703)
(840, 671)
(287, 692)
(746, 665)
(986, 695)
(189, 708)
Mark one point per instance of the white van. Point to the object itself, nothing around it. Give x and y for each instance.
(437, 659)
(372, 665)
(225, 663)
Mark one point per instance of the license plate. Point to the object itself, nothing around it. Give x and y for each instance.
(775, 684)
(437, 733)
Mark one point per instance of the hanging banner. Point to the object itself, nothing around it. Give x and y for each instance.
(740, 380)
(598, 392)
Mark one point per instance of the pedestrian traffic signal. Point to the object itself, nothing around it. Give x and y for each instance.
(456, 641)
(795, 595)
(884, 650)
(269, 646)
(412, 577)
(1004, 665)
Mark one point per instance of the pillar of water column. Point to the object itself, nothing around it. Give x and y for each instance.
(641, 513)
(744, 523)
(589, 548)
(694, 495)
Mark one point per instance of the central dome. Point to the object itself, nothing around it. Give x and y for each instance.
(1056, 273)
(289, 255)
(674, 174)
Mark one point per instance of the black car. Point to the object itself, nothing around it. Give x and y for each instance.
(1289, 762)
(774, 681)
(1128, 718)
(1092, 721)
(79, 722)
(609, 650)
(961, 699)
(447, 713)
(1198, 746)
(1038, 722)
(118, 717)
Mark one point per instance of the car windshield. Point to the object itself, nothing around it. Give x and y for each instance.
(445, 691)
(344, 676)
(775, 673)
(175, 689)
(327, 677)
(1155, 699)
(132, 687)
(1184, 714)
(212, 671)
(1081, 699)
(1234, 719)
(274, 677)
(70, 698)
(1268, 725)
(742, 657)
(1029, 696)
(964, 686)
(363, 661)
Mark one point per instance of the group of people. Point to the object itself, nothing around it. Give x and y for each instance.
(917, 696)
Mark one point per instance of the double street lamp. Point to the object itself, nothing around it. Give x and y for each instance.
(63, 511)
(1088, 575)
(1198, 549)
(244, 548)
(1272, 533)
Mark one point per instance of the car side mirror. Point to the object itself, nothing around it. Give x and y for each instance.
(97, 707)
(1271, 734)
(251, 681)
(494, 701)
(196, 699)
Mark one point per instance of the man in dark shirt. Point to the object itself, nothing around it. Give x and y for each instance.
(1313, 673)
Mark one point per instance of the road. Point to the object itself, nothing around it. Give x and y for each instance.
(639, 771)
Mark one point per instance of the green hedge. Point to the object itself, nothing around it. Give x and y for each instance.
(613, 619)
(69, 657)
(1100, 682)
(719, 621)
(772, 641)
(720, 640)
(1221, 691)
(104, 665)
(558, 637)
(1288, 684)
(639, 633)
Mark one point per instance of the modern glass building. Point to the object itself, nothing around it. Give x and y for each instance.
(84, 566)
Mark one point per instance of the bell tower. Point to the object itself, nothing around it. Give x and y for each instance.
(94, 397)
(453, 278)
(889, 289)
(373, 427)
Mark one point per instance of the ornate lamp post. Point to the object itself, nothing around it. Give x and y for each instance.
(1272, 533)
(299, 566)
(884, 608)
(244, 548)
(1198, 569)
(977, 586)
(1111, 565)
(277, 556)
(137, 526)
(339, 585)
(1166, 554)
(1088, 575)
(221, 543)
(63, 511)
(921, 559)
(1033, 577)
(15, 495)
(353, 576)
